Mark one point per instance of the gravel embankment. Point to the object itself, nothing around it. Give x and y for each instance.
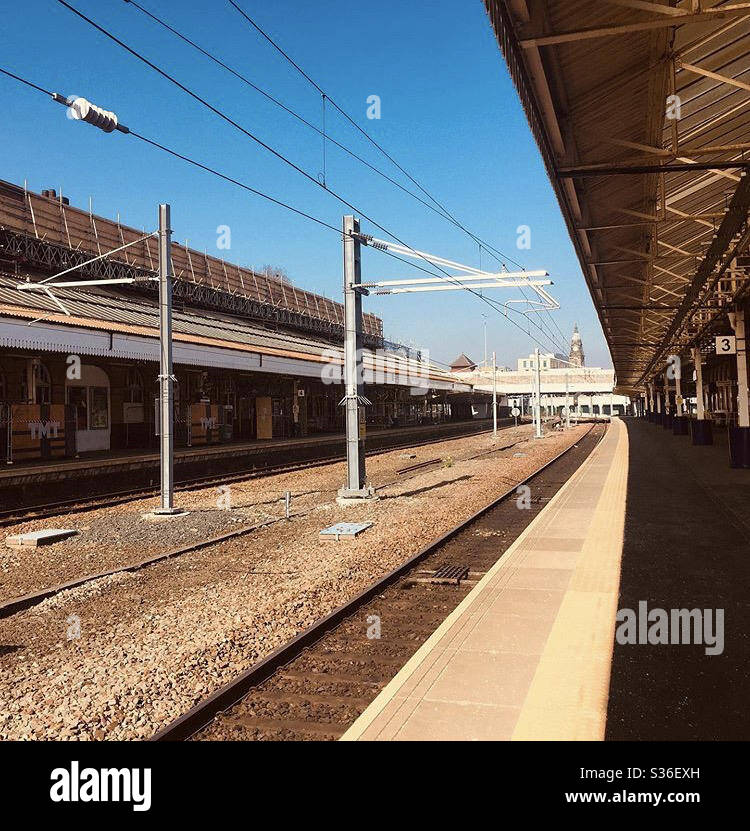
(113, 537)
(154, 642)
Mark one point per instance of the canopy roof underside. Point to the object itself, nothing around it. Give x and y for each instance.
(642, 113)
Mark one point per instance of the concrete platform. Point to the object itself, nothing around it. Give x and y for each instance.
(527, 654)
(687, 545)
(531, 652)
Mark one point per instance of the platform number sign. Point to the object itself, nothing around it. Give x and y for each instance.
(726, 345)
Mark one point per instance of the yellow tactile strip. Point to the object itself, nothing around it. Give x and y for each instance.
(490, 669)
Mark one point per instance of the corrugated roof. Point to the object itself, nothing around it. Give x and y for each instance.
(106, 309)
(50, 219)
(595, 79)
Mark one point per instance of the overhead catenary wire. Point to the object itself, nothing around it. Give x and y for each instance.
(323, 133)
(207, 168)
(442, 212)
(496, 254)
(440, 209)
(228, 119)
(28, 83)
(233, 181)
(193, 162)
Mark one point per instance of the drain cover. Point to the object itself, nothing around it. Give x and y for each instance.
(344, 530)
(452, 574)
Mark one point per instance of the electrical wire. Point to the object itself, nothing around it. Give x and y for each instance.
(326, 137)
(27, 82)
(259, 141)
(497, 255)
(268, 197)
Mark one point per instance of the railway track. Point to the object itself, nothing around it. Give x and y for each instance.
(314, 687)
(49, 510)
(21, 603)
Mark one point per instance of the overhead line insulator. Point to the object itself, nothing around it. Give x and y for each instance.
(81, 109)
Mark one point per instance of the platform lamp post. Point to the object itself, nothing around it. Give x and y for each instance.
(494, 395)
(538, 403)
(468, 278)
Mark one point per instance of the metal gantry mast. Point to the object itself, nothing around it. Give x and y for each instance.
(166, 376)
(354, 400)
(466, 278)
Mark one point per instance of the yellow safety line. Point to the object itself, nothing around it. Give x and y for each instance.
(567, 699)
(422, 655)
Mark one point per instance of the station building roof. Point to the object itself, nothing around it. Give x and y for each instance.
(462, 363)
(642, 115)
(34, 225)
(107, 323)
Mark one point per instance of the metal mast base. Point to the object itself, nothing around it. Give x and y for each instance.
(347, 496)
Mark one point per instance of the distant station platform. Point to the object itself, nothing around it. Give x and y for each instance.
(530, 653)
(115, 462)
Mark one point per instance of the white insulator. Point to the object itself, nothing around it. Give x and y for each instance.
(83, 110)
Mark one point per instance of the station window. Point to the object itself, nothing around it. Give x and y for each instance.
(98, 408)
(41, 384)
(134, 386)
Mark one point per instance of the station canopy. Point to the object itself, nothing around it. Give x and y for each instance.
(641, 111)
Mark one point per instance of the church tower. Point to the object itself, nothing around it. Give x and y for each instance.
(577, 358)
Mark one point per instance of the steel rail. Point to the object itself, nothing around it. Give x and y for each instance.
(203, 713)
(14, 516)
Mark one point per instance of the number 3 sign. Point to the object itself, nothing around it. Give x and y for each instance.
(726, 345)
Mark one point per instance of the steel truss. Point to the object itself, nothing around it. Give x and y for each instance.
(50, 257)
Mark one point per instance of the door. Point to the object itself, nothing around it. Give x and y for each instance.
(89, 398)
(264, 417)
(246, 418)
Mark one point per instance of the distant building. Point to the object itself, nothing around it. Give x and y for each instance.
(588, 390)
(577, 358)
(547, 360)
(463, 364)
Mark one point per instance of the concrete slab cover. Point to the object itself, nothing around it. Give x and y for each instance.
(33, 539)
(345, 530)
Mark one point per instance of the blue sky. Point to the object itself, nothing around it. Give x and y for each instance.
(450, 116)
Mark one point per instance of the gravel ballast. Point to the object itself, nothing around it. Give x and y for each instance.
(120, 657)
